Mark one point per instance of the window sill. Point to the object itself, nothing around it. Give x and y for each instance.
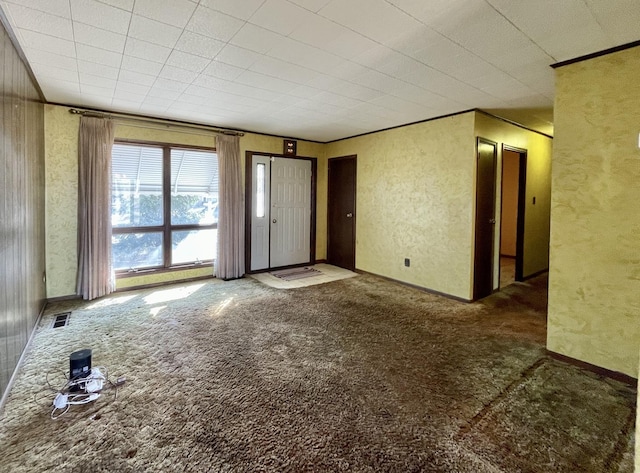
(172, 269)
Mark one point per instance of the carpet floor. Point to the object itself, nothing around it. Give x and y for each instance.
(360, 374)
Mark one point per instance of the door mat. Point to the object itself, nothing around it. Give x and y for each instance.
(519, 429)
(295, 273)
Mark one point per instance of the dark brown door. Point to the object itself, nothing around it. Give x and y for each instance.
(341, 245)
(485, 219)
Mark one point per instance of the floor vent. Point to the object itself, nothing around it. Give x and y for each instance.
(61, 320)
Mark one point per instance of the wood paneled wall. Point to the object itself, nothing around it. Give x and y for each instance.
(22, 238)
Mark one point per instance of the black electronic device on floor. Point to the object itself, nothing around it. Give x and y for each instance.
(80, 364)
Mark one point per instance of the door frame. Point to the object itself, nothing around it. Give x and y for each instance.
(248, 158)
(353, 157)
(522, 204)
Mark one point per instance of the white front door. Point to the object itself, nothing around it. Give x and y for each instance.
(290, 211)
(280, 212)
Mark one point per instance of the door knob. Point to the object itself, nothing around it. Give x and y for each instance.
(349, 215)
(274, 221)
(492, 220)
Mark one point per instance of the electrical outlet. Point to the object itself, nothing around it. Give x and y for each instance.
(407, 262)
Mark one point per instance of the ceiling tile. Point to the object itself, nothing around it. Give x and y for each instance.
(280, 16)
(347, 70)
(35, 20)
(164, 93)
(187, 61)
(100, 15)
(283, 70)
(222, 70)
(96, 81)
(153, 31)
(375, 80)
(243, 90)
(313, 5)
(435, 11)
(145, 50)
(237, 56)
(261, 81)
(55, 7)
(101, 56)
(98, 94)
(128, 96)
(375, 19)
(210, 82)
(198, 91)
(33, 40)
(133, 88)
(122, 4)
(562, 29)
(242, 10)
(157, 101)
(304, 55)
(133, 77)
(199, 45)
(338, 100)
(256, 38)
(177, 74)
(169, 85)
(303, 91)
(176, 13)
(345, 44)
(98, 69)
(99, 38)
(142, 66)
(620, 19)
(37, 56)
(507, 88)
(58, 73)
(484, 31)
(214, 24)
(61, 88)
(316, 31)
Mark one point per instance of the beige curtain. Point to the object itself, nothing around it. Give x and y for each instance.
(230, 259)
(95, 275)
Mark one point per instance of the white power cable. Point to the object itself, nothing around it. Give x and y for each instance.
(83, 390)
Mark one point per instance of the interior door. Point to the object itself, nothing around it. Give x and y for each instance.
(485, 218)
(290, 212)
(341, 244)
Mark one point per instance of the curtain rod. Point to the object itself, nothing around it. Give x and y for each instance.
(157, 121)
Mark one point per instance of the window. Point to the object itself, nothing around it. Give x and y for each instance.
(164, 209)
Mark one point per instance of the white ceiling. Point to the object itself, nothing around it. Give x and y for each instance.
(314, 69)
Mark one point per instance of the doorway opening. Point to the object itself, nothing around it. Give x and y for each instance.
(512, 209)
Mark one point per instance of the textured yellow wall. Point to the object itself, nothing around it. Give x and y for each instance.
(594, 279)
(536, 227)
(637, 452)
(61, 168)
(414, 199)
(61, 189)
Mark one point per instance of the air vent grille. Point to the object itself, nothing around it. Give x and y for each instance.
(61, 320)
